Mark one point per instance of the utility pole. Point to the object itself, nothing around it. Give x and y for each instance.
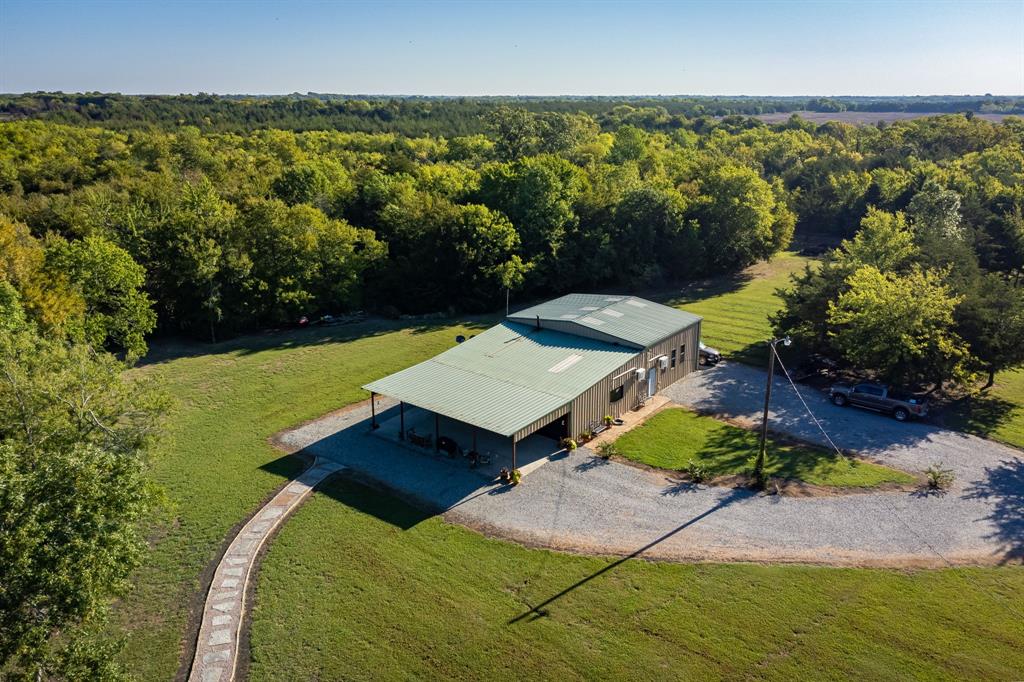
(759, 462)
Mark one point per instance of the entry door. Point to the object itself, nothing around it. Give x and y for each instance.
(652, 380)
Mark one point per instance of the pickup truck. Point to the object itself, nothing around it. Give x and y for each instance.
(902, 406)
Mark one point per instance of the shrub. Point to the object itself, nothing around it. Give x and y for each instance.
(516, 477)
(606, 450)
(698, 473)
(569, 444)
(939, 478)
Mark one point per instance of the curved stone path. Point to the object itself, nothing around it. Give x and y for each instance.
(223, 612)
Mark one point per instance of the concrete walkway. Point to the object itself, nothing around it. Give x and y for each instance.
(224, 610)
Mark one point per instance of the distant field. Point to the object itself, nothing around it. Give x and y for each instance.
(869, 117)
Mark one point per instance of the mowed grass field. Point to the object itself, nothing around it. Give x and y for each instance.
(215, 462)
(356, 594)
(997, 413)
(674, 437)
(736, 309)
(360, 586)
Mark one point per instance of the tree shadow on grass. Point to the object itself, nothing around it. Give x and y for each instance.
(981, 415)
(172, 348)
(699, 290)
(1003, 485)
(540, 610)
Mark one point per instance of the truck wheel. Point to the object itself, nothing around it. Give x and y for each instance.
(901, 414)
(839, 399)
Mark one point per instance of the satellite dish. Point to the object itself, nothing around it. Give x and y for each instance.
(460, 338)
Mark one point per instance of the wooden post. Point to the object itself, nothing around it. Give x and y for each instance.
(437, 432)
(373, 410)
(513, 453)
(401, 420)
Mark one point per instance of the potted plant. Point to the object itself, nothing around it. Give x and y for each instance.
(569, 444)
(609, 420)
(504, 476)
(516, 476)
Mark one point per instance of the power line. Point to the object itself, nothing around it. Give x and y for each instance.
(881, 498)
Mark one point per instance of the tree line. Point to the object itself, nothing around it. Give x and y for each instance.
(447, 116)
(110, 235)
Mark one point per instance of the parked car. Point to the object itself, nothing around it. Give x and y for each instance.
(900, 404)
(708, 355)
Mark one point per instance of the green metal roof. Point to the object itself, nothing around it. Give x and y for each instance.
(628, 319)
(507, 377)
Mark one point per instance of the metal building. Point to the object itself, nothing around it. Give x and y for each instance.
(556, 368)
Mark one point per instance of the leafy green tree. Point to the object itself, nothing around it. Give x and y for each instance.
(654, 240)
(935, 212)
(884, 241)
(740, 213)
(74, 438)
(900, 326)
(538, 195)
(303, 261)
(117, 310)
(991, 320)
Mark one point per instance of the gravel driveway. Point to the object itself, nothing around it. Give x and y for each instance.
(583, 503)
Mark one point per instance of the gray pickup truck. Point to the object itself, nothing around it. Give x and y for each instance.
(902, 406)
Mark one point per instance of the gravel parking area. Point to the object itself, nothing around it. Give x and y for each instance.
(586, 504)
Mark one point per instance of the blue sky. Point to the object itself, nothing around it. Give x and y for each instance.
(542, 48)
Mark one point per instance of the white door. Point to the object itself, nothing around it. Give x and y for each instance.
(652, 380)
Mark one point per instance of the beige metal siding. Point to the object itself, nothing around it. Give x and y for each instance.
(594, 403)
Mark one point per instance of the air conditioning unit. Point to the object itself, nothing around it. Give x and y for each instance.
(641, 373)
(663, 362)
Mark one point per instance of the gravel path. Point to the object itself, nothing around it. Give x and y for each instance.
(583, 503)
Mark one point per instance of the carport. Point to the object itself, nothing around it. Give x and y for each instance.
(510, 381)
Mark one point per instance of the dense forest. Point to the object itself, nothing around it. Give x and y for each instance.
(113, 234)
(447, 116)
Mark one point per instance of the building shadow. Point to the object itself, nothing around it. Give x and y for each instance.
(1003, 485)
(540, 610)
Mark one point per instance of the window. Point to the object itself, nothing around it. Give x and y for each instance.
(616, 394)
(673, 357)
(682, 354)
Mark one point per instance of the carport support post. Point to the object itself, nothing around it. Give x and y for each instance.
(437, 432)
(513, 453)
(373, 410)
(401, 420)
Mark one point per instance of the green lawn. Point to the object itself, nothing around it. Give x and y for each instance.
(215, 462)
(217, 466)
(674, 437)
(736, 309)
(360, 586)
(996, 414)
